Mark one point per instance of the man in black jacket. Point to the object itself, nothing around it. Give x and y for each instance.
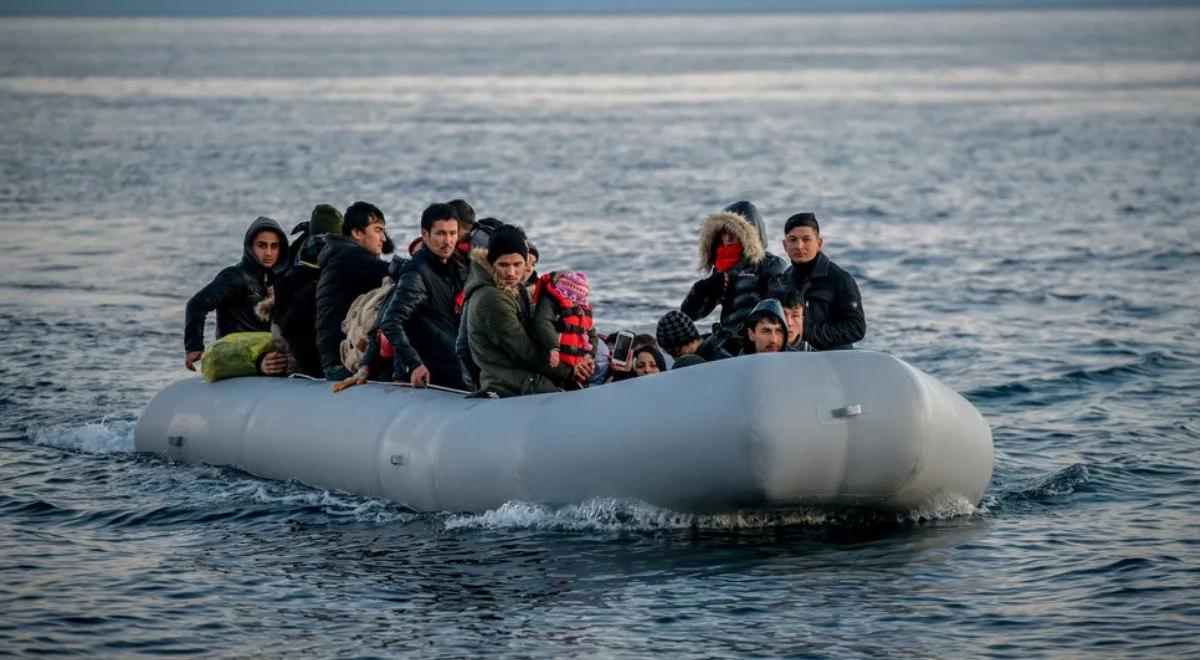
(235, 291)
(833, 314)
(421, 318)
(350, 266)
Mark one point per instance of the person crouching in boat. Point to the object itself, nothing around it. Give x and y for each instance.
(647, 361)
(236, 291)
(767, 328)
(562, 318)
(741, 271)
(499, 322)
(793, 313)
(678, 336)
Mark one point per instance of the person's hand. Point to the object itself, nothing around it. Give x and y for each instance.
(583, 370)
(274, 363)
(554, 361)
(191, 359)
(357, 379)
(419, 377)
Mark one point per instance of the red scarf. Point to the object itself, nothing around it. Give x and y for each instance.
(728, 256)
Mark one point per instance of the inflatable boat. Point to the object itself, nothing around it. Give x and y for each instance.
(786, 430)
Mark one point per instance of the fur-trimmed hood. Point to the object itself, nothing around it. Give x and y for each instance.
(746, 231)
(482, 274)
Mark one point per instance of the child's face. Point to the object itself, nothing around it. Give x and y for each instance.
(767, 336)
(795, 321)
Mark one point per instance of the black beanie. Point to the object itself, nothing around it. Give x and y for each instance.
(508, 239)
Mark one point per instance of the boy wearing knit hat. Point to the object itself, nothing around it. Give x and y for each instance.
(678, 336)
(562, 318)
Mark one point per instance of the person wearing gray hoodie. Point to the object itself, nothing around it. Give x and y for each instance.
(237, 289)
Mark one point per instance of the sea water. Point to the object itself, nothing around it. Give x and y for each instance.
(1015, 192)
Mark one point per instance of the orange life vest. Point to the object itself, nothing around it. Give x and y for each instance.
(572, 321)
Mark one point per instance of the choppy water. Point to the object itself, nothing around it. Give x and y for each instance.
(1016, 192)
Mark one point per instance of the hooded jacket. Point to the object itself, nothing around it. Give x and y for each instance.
(499, 321)
(750, 280)
(769, 307)
(421, 318)
(833, 314)
(347, 272)
(235, 292)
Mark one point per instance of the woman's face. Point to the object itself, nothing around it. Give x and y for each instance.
(645, 365)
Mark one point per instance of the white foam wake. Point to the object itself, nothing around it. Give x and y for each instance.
(103, 437)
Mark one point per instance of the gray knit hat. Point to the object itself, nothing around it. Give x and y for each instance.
(675, 329)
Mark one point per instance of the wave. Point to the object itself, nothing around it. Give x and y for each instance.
(620, 515)
(103, 437)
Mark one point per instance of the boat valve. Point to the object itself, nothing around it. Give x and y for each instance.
(852, 410)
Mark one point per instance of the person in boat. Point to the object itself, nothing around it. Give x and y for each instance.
(678, 336)
(741, 271)
(500, 319)
(833, 313)
(640, 341)
(648, 360)
(562, 318)
(767, 328)
(236, 291)
(793, 313)
(350, 266)
(534, 256)
(421, 318)
(478, 239)
(292, 307)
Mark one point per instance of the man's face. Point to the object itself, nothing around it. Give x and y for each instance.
(767, 336)
(530, 264)
(441, 238)
(689, 348)
(802, 244)
(509, 269)
(371, 239)
(265, 246)
(795, 319)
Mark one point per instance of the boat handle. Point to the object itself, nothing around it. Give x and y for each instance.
(175, 440)
(852, 410)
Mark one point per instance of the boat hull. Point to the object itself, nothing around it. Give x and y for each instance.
(840, 429)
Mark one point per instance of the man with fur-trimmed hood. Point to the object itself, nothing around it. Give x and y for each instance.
(741, 271)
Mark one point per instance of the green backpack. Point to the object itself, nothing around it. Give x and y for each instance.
(234, 355)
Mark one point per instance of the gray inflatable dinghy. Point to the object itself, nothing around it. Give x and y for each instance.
(787, 430)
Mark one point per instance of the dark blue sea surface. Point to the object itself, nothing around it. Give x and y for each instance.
(1016, 192)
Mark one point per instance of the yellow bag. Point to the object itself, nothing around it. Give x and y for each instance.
(234, 355)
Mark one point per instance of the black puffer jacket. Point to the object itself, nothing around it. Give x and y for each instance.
(347, 272)
(421, 320)
(833, 313)
(296, 307)
(235, 291)
(751, 280)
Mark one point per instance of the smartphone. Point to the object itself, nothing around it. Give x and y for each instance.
(622, 348)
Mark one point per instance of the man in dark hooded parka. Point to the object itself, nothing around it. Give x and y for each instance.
(741, 270)
(237, 289)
